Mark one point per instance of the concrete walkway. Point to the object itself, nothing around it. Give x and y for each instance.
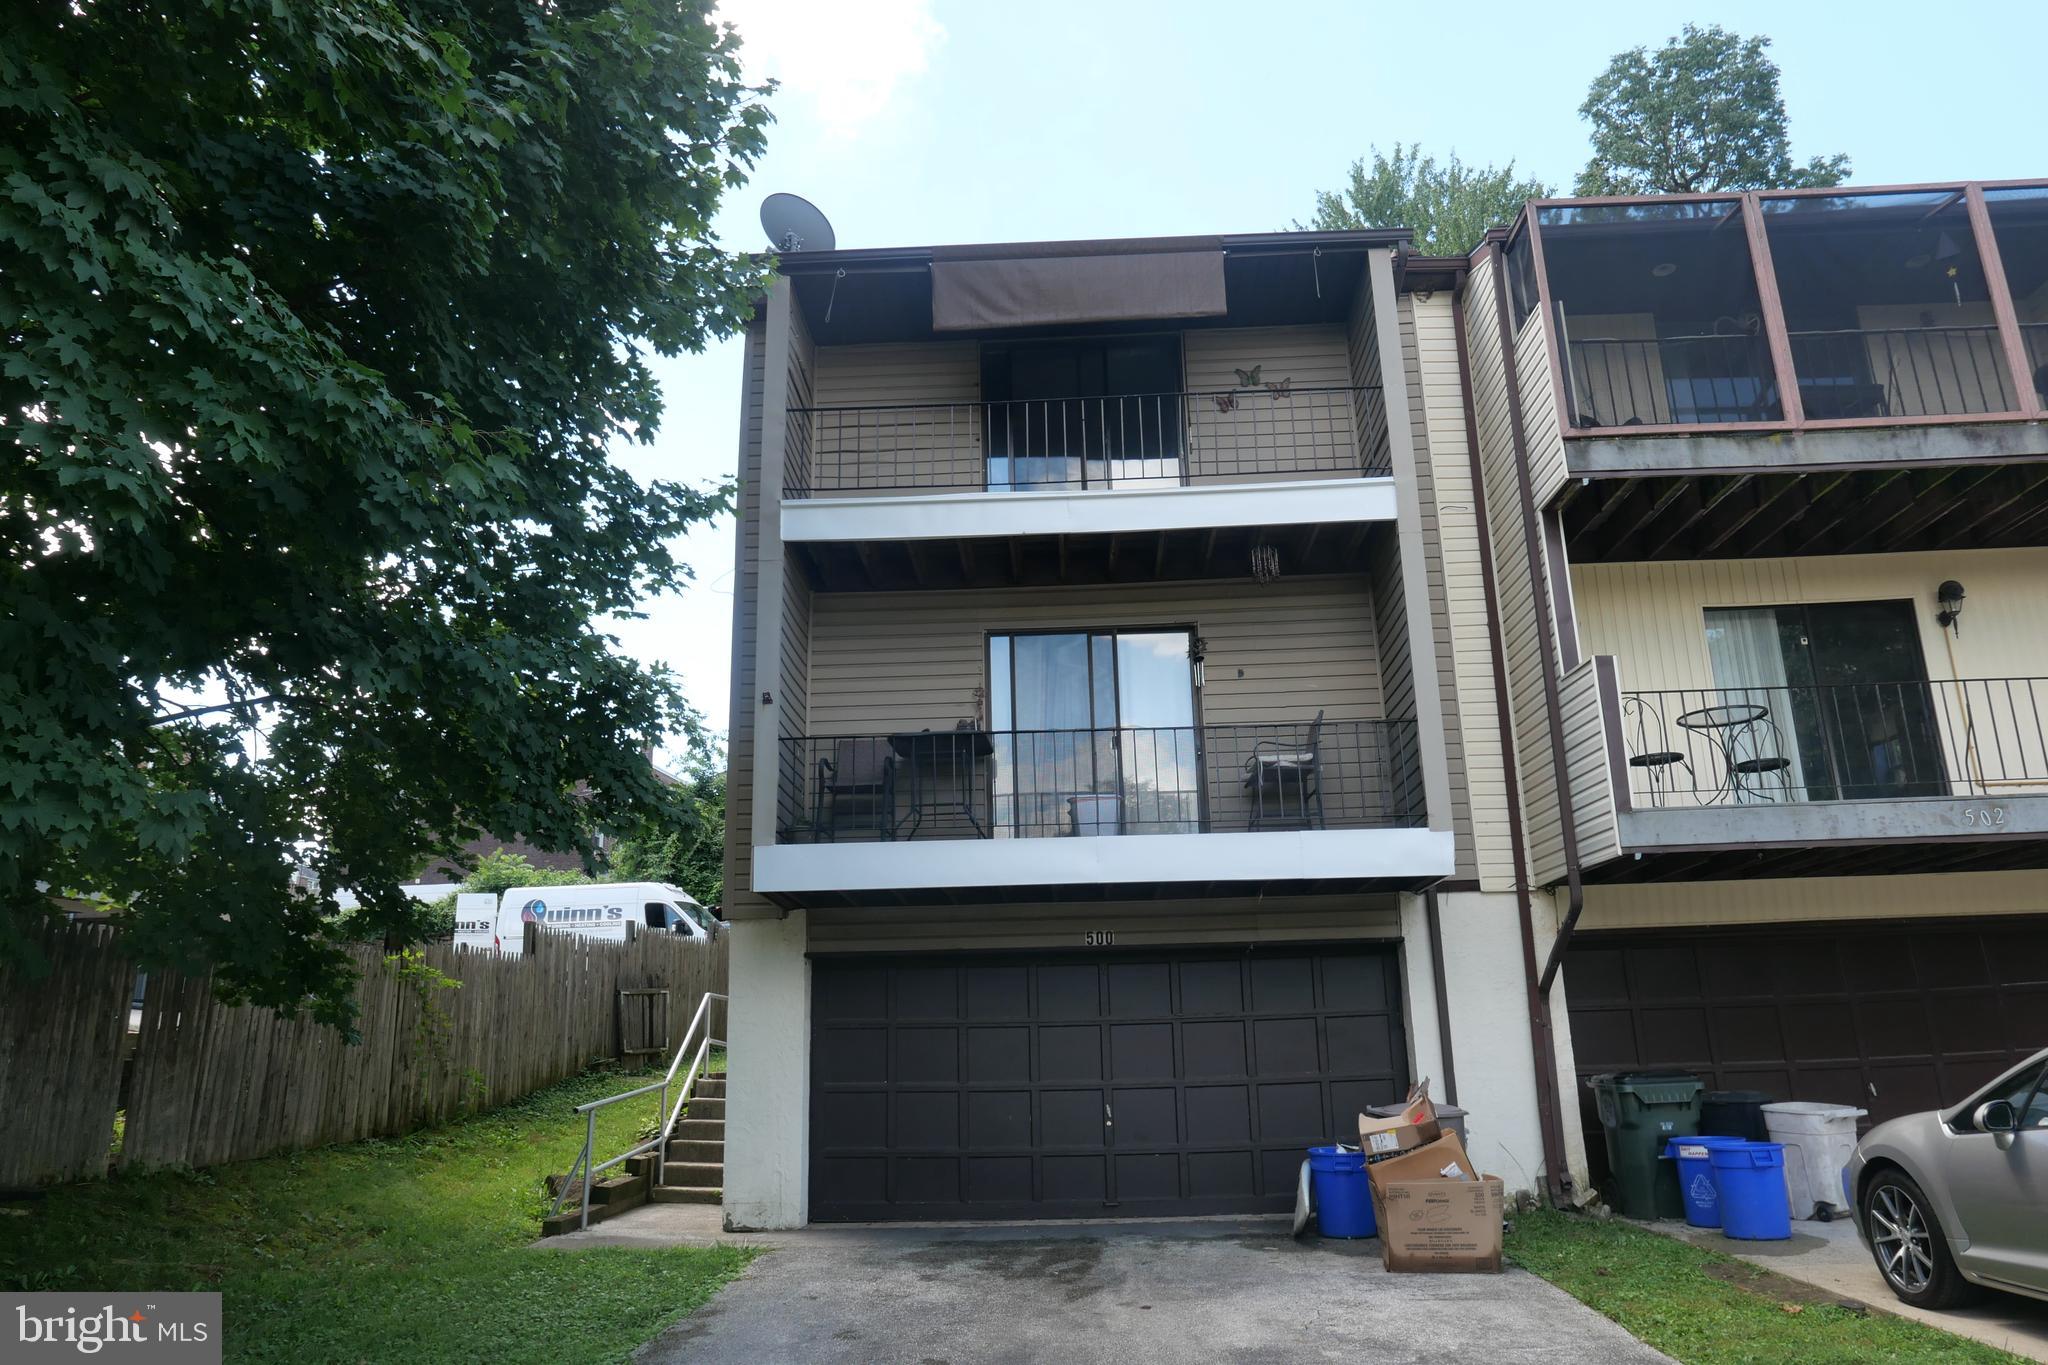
(1124, 1292)
(1829, 1256)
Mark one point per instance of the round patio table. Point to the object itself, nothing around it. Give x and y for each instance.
(1720, 723)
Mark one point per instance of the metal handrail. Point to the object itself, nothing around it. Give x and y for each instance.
(658, 1144)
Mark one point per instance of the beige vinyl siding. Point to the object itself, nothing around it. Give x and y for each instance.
(1470, 666)
(1305, 434)
(1490, 356)
(1652, 617)
(1369, 402)
(1155, 923)
(1440, 620)
(887, 662)
(739, 746)
(1587, 732)
(1541, 427)
(1675, 905)
(919, 417)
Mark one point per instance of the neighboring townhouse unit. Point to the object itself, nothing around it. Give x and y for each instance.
(1107, 720)
(1767, 482)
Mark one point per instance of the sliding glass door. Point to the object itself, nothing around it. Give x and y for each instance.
(1843, 695)
(1095, 733)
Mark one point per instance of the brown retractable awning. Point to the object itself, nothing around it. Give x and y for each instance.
(980, 295)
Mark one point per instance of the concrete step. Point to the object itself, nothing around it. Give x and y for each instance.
(711, 1087)
(693, 1175)
(670, 1194)
(695, 1129)
(608, 1198)
(706, 1107)
(696, 1149)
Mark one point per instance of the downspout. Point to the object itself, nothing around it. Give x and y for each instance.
(1556, 1178)
(1443, 1000)
(1546, 640)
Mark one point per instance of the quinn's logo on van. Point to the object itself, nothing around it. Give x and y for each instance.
(533, 912)
(537, 912)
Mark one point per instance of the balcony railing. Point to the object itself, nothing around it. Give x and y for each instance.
(978, 784)
(1850, 373)
(2034, 340)
(1126, 441)
(1901, 372)
(1838, 742)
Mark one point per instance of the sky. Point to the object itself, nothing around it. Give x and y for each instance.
(914, 122)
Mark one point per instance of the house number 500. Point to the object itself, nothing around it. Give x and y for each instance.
(1099, 938)
(1984, 815)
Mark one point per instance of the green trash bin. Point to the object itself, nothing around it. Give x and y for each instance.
(1640, 1110)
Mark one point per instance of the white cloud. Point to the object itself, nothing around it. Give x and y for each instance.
(843, 59)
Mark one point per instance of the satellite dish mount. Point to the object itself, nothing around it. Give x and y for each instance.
(794, 224)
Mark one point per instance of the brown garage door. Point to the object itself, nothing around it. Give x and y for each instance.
(1070, 1085)
(1891, 1017)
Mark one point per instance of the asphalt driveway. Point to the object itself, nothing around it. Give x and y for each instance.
(1190, 1290)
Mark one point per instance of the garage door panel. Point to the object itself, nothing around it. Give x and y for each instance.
(1951, 960)
(1069, 992)
(1905, 1087)
(1219, 1115)
(1070, 1053)
(999, 1055)
(1361, 1044)
(1963, 1020)
(927, 1119)
(855, 1118)
(1283, 984)
(1212, 987)
(927, 1056)
(1672, 1033)
(1879, 964)
(998, 1119)
(1663, 973)
(927, 992)
(998, 993)
(1145, 1118)
(1286, 1047)
(1147, 1176)
(1140, 1051)
(1746, 1033)
(1074, 1179)
(1073, 1118)
(2018, 957)
(851, 1054)
(1157, 1083)
(2025, 1014)
(1214, 1048)
(1603, 1039)
(997, 1179)
(1290, 1112)
(1140, 990)
(1221, 1175)
(1824, 1029)
(1893, 1026)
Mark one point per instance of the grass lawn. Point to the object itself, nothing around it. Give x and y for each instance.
(1705, 1308)
(413, 1248)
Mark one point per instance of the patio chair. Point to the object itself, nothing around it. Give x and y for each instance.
(859, 779)
(1280, 772)
(1654, 758)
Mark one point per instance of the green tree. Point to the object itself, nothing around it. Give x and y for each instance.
(690, 855)
(1449, 206)
(1700, 114)
(318, 320)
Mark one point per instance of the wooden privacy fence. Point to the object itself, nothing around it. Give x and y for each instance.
(210, 1083)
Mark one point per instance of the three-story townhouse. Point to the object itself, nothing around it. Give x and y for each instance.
(1096, 755)
(1765, 478)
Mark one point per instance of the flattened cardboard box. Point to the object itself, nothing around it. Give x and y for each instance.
(1414, 1125)
(1443, 1226)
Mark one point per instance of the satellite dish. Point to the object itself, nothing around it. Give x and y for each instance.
(793, 223)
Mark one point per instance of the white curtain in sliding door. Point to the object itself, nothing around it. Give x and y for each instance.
(1744, 646)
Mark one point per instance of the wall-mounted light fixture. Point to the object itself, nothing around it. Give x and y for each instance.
(1949, 599)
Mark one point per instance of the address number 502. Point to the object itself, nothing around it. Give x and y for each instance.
(1988, 816)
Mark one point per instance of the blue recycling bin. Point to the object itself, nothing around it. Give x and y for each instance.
(1343, 1195)
(1696, 1183)
(1751, 1179)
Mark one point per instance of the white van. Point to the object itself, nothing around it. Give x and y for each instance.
(600, 910)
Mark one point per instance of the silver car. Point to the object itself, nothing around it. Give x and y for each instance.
(1955, 1200)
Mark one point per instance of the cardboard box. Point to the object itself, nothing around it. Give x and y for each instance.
(1410, 1127)
(1435, 1212)
(1441, 1226)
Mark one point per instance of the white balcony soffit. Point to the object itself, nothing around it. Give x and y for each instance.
(1242, 856)
(940, 516)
